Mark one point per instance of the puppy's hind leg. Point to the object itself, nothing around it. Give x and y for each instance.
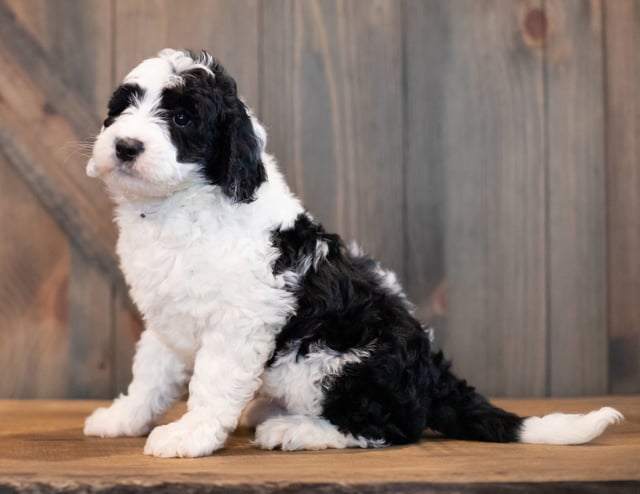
(159, 378)
(298, 432)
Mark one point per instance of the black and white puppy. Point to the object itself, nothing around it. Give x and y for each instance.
(244, 295)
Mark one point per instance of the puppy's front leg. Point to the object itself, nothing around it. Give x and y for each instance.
(159, 379)
(226, 377)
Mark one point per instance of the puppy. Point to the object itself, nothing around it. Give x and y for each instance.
(244, 294)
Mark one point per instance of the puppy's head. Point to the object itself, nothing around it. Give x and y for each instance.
(176, 120)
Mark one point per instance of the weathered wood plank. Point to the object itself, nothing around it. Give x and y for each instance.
(43, 442)
(32, 16)
(88, 72)
(576, 199)
(42, 144)
(332, 99)
(76, 36)
(491, 116)
(426, 53)
(229, 30)
(465, 143)
(85, 70)
(34, 262)
(91, 330)
(622, 33)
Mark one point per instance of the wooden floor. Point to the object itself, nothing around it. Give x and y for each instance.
(42, 449)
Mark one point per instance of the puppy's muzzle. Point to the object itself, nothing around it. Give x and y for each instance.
(128, 149)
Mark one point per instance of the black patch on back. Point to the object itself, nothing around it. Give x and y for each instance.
(342, 302)
(220, 135)
(300, 241)
(122, 98)
(343, 305)
(402, 387)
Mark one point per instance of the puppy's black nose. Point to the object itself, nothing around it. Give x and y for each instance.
(127, 149)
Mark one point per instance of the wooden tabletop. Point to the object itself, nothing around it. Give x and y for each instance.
(42, 449)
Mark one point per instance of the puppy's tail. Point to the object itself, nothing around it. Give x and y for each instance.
(458, 411)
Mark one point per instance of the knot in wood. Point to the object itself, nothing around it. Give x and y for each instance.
(536, 25)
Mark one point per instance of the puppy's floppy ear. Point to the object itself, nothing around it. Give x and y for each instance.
(238, 144)
(245, 170)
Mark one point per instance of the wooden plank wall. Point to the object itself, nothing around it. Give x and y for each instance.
(485, 150)
(622, 155)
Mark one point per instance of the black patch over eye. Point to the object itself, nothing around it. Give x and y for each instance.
(122, 98)
(181, 119)
(187, 111)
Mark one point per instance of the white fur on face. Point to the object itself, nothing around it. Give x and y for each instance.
(157, 171)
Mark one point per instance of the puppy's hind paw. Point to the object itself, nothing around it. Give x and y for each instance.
(298, 432)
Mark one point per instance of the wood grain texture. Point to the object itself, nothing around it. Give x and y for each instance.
(42, 143)
(32, 16)
(34, 262)
(485, 150)
(43, 445)
(622, 34)
(576, 199)
(87, 72)
(65, 48)
(426, 45)
(492, 150)
(91, 330)
(76, 36)
(335, 114)
(228, 30)
(53, 163)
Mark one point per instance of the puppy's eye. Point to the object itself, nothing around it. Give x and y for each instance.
(108, 121)
(181, 119)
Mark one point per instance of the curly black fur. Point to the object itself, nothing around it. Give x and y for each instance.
(219, 133)
(122, 97)
(403, 387)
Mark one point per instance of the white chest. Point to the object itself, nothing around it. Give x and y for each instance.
(191, 271)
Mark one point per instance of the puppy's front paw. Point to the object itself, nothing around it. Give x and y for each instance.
(117, 420)
(188, 437)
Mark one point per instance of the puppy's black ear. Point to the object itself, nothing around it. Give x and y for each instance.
(238, 149)
(245, 170)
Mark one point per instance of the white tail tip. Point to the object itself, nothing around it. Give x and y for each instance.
(562, 428)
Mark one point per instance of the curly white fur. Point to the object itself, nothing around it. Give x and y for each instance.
(199, 269)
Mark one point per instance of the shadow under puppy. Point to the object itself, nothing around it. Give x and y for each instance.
(244, 294)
